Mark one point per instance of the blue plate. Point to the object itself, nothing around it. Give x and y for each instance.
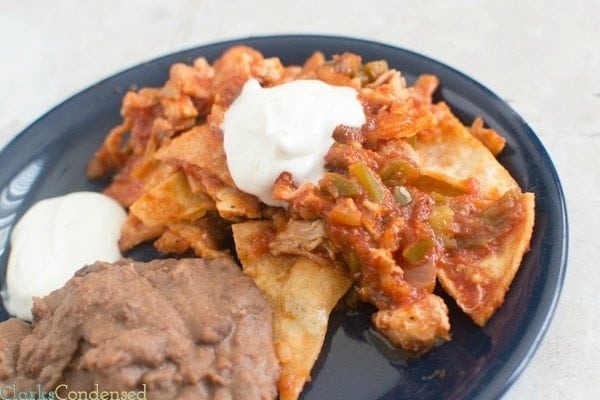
(49, 159)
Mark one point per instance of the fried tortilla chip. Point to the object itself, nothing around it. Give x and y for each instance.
(134, 232)
(140, 174)
(182, 236)
(201, 147)
(489, 137)
(451, 150)
(301, 292)
(200, 153)
(171, 201)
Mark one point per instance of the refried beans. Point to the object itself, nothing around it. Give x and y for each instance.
(181, 329)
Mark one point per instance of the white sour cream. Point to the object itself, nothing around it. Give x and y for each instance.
(54, 239)
(286, 128)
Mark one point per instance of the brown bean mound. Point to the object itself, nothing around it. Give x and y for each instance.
(186, 329)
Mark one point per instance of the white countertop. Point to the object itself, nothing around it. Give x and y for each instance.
(542, 57)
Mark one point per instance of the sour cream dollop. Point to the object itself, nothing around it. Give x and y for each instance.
(54, 239)
(286, 128)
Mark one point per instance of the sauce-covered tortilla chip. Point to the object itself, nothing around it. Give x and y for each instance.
(488, 244)
(502, 233)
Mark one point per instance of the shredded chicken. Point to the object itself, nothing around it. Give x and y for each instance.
(300, 238)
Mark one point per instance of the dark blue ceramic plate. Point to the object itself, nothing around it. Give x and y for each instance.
(50, 156)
